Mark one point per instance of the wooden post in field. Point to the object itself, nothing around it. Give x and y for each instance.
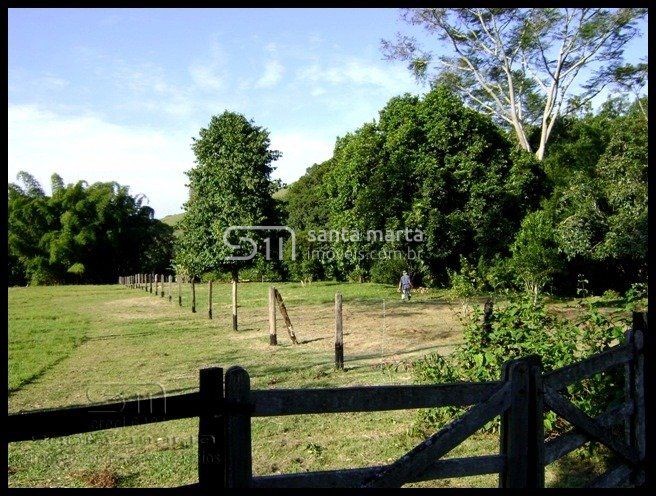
(339, 335)
(285, 316)
(179, 279)
(522, 425)
(161, 293)
(150, 284)
(170, 288)
(239, 461)
(193, 296)
(209, 299)
(211, 432)
(273, 339)
(234, 305)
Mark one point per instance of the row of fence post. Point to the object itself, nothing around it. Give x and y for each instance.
(145, 281)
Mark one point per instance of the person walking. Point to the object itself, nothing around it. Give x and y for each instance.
(405, 285)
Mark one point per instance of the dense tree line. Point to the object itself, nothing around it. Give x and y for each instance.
(492, 215)
(81, 233)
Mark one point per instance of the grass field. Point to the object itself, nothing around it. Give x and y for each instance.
(77, 344)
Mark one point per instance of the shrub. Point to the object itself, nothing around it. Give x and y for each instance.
(634, 294)
(610, 295)
(466, 282)
(388, 270)
(518, 329)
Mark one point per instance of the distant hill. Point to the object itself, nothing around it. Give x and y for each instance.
(281, 193)
(172, 220)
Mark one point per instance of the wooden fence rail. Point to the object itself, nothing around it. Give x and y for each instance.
(225, 405)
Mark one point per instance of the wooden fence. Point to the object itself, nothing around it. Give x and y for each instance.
(226, 404)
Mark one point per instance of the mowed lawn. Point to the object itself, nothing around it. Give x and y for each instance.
(71, 345)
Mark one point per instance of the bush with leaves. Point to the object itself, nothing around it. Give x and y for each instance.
(518, 329)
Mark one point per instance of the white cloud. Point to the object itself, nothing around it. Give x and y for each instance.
(300, 149)
(86, 147)
(53, 81)
(271, 47)
(318, 91)
(273, 71)
(359, 72)
(209, 74)
(206, 77)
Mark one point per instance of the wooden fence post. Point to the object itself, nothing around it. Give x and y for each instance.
(522, 425)
(285, 316)
(234, 305)
(170, 288)
(150, 277)
(156, 284)
(239, 462)
(193, 296)
(273, 338)
(637, 388)
(178, 278)
(211, 433)
(339, 336)
(209, 299)
(161, 293)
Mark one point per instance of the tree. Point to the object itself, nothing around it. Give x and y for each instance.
(81, 233)
(603, 216)
(519, 65)
(628, 77)
(535, 257)
(229, 186)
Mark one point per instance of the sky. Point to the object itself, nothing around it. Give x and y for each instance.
(118, 94)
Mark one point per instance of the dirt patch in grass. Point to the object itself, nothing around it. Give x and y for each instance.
(105, 477)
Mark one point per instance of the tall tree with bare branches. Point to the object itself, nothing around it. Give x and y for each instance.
(520, 65)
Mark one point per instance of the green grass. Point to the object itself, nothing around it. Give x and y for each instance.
(172, 219)
(75, 344)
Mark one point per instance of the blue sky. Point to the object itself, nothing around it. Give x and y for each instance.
(117, 94)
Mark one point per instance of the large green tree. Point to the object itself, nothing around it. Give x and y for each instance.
(229, 186)
(429, 164)
(82, 233)
(521, 65)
